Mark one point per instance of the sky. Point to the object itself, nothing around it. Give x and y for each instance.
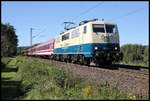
(47, 17)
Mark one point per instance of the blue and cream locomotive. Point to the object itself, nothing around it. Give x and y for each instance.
(92, 41)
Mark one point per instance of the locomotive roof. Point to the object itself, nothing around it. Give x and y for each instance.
(91, 22)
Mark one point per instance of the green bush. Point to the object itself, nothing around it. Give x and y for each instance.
(58, 76)
(9, 40)
(146, 55)
(134, 53)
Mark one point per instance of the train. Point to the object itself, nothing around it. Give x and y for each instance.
(91, 41)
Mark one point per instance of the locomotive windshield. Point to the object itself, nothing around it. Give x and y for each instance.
(102, 27)
(98, 28)
(110, 28)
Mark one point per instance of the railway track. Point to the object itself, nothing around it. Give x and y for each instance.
(144, 74)
(134, 71)
(127, 70)
(140, 73)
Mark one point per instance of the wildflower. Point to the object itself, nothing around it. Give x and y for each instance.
(87, 90)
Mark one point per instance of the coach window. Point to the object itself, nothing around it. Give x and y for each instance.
(50, 46)
(84, 30)
(47, 46)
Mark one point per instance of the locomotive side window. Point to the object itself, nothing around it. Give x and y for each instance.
(65, 37)
(98, 28)
(110, 28)
(84, 31)
(75, 33)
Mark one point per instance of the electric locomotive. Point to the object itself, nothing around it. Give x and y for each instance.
(91, 41)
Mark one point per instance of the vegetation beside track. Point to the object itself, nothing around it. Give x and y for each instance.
(135, 54)
(134, 63)
(39, 81)
(10, 85)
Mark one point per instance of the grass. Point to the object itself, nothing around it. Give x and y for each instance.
(9, 83)
(5, 60)
(40, 81)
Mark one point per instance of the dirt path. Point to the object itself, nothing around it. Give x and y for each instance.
(9, 83)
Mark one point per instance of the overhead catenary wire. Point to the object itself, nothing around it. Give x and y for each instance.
(127, 14)
(93, 7)
(81, 14)
(38, 33)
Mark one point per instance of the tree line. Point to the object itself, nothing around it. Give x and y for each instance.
(133, 53)
(9, 40)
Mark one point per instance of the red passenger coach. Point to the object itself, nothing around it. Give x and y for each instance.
(45, 48)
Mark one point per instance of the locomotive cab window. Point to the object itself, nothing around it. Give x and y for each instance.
(110, 28)
(98, 28)
(65, 37)
(84, 30)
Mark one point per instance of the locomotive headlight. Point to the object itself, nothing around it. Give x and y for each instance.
(96, 48)
(116, 48)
